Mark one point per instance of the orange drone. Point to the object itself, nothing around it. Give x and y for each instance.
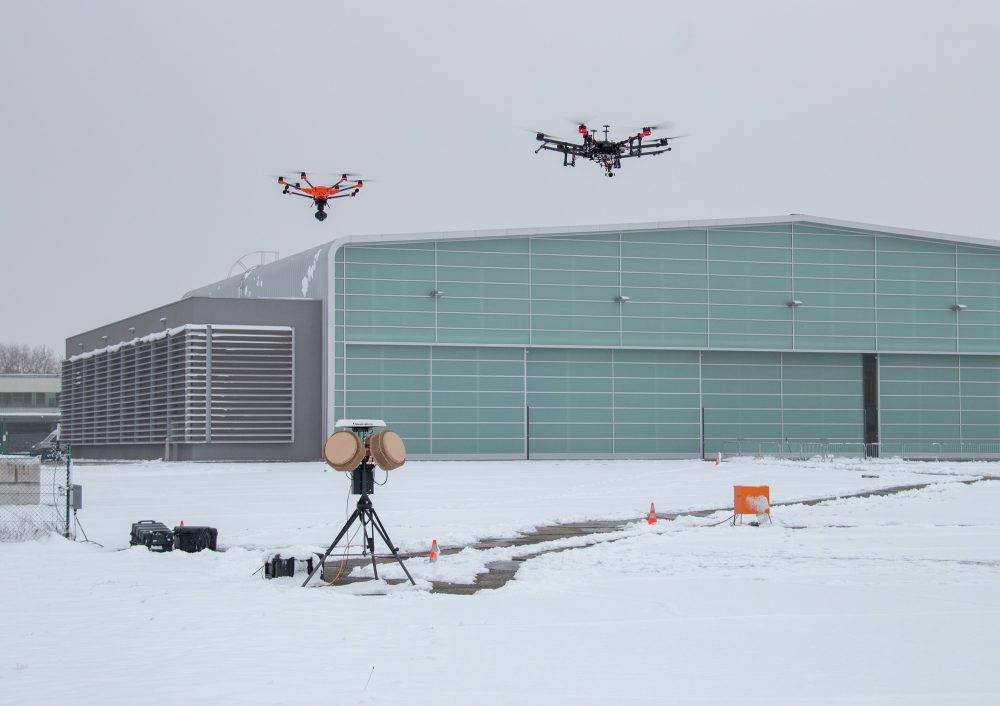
(347, 186)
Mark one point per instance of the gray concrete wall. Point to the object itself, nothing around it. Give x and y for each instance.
(304, 315)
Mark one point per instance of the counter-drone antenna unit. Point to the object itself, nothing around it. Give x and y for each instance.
(321, 195)
(356, 448)
(603, 150)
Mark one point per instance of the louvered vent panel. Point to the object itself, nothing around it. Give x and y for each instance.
(194, 383)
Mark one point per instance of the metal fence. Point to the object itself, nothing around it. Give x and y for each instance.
(908, 450)
(34, 497)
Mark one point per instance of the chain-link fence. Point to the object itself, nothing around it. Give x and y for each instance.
(34, 497)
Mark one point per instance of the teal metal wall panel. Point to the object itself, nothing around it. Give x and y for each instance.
(656, 402)
(834, 277)
(749, 280)
(781, 398)
(822, 397)
(477, 399)
(441, 400)
(939, 404)
(666, 275)
(712, 288)
(919, 401)
(741, 393)
(392, 383)
(604, 377)
(571, 401)
(916, 286)
(978, 287)
(613, 402)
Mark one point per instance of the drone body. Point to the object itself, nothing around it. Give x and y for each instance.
(603, 150)
(321, 195)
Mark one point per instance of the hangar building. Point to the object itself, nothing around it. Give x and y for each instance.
(656, 340)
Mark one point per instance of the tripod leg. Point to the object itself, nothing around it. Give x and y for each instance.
(370, 544)
(377, 524)
(343, 531)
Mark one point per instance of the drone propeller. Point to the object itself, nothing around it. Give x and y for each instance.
(662, 125)
(295, 176)
(581, 125)
(297, 173)
(647, 130)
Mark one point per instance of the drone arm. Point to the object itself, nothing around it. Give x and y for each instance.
(290, 188)
(347, 191)
(296, 193)
(645, 153)
(564, 147)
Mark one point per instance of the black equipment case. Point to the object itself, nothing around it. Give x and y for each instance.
(150, 533)
(194, 539)
(278, 566)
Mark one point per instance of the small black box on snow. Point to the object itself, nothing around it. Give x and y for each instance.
(277, 566)
(194, 539)
(150, 534)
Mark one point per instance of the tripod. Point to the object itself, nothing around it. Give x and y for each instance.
(363, 482)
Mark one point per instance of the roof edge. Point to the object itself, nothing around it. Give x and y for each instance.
(658, 225)
(230, 285)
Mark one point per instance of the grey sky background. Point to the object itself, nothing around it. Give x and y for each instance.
(139, 139)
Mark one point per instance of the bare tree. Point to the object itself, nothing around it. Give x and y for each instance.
(23, 358)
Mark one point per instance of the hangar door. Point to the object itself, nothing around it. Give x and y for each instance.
(762, 401)
(565, 402)
(612, 402)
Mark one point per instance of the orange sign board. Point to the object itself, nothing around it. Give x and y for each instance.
(752, 499)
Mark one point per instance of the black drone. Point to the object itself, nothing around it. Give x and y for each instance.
(604, 151)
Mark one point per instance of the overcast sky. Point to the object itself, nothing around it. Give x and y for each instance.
(139, 138)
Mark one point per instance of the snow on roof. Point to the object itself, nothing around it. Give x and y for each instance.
(172, 332)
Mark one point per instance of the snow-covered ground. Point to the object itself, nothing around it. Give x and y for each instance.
(882, 600)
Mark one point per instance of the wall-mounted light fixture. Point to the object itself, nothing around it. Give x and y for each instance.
(163, 320)
(958, 307)
(131, 330)
(793, 304)
(104, 338)
(80, 344)
(622, 299)
(437, 293)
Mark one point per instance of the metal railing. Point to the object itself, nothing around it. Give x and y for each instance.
(907, 450)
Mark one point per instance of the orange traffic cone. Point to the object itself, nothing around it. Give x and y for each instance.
(651, 518)
(434, 552)
(718, 458)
